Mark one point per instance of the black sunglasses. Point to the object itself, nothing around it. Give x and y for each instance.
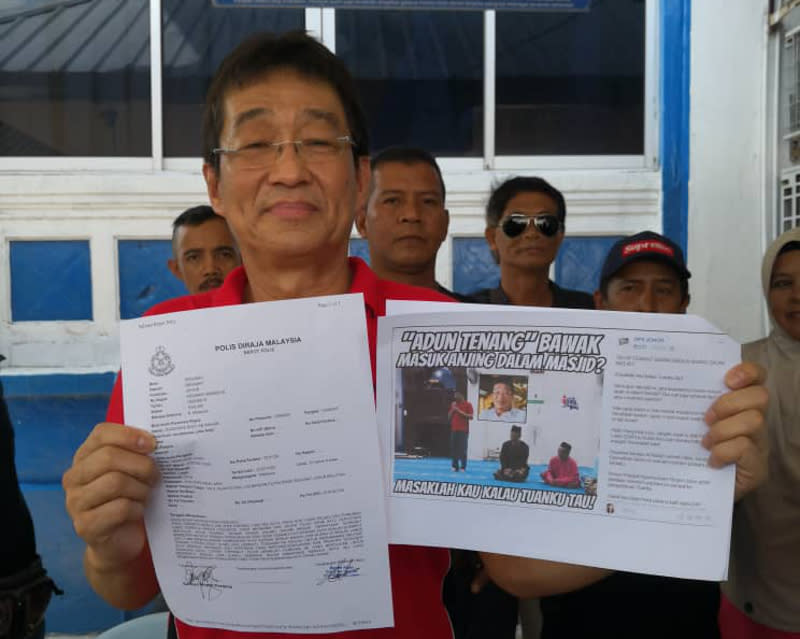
(515, 224)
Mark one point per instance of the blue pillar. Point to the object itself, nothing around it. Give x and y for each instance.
(675, 58)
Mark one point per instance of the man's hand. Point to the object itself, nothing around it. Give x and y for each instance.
(106, 490)
(737, 429)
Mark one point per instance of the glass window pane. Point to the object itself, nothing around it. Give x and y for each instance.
(196, 37)
(571, 83)
(75, 78)
(420, 76)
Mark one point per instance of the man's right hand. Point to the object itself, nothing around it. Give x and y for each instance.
(106, 490)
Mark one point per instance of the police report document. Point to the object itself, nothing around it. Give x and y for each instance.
(270, 511)
(566, 435)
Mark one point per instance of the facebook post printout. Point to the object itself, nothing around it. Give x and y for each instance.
(572, 436)
(270, 513)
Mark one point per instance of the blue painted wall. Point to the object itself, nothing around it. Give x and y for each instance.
(580, 260)
(50, 280)
(359, 248)
(52, 415)
(144, 279)
(474, 267)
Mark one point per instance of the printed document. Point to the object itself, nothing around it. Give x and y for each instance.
(566, 435)
(270, 512)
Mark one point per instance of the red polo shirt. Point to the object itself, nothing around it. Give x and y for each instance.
(417, 572)
(563, 472)
(457, 421)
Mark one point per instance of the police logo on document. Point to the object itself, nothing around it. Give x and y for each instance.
(161, 363)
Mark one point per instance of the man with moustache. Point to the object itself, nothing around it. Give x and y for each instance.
(203, 249)
(405, 220)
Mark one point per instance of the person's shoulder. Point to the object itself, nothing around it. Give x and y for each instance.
(571, 298)
(458, 297)
(184, 303)
(397, 291)
(483, 296)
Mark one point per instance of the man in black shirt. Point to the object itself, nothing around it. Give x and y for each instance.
(514, 458)
(524, 228)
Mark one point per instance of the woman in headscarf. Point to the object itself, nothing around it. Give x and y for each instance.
(761, 599)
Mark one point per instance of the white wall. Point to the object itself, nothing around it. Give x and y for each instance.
(727, 177)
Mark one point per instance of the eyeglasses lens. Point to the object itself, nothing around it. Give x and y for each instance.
(546, 225)
(514, 225)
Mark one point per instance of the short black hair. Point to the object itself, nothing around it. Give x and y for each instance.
(503, 192)
(794, 245)
(262, 53)
(408, 155)
(194, 216)
(516, 429)
(566, 445)
(506, 381)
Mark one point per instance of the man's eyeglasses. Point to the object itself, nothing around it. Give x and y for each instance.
(515, 224)
(263, 155)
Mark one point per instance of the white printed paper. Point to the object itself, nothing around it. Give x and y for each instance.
(270, 512)
(626, 391)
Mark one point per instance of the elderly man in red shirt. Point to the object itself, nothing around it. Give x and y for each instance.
(286, 163)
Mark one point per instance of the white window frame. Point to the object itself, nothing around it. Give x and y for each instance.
(322, 23)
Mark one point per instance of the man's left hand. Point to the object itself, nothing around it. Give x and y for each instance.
(737, 429)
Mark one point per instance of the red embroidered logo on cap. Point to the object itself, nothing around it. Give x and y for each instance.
(647, 246)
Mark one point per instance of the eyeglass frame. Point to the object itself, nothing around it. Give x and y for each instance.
(530, 219)
(278, 146)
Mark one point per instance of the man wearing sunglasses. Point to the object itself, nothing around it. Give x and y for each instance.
(524, 229)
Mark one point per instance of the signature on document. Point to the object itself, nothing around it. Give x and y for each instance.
(338, 570)
(202, 577)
